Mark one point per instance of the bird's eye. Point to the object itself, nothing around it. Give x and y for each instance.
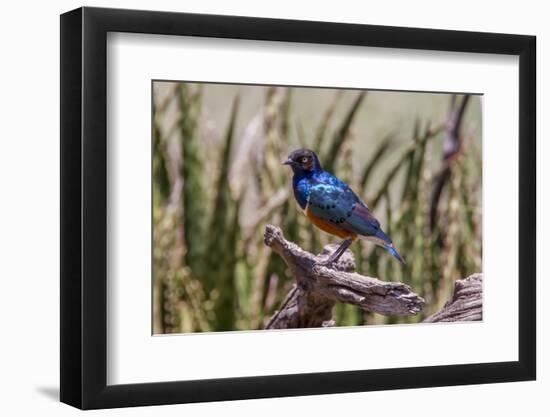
(304, 159)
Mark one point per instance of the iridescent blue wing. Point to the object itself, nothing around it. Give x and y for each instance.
(337, 203)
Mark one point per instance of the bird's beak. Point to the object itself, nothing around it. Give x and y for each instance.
(288, 162)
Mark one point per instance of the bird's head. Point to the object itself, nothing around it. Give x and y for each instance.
(303, 161)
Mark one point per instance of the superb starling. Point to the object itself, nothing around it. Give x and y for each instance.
(332, 206)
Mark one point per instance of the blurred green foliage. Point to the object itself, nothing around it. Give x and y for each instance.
(218, 180)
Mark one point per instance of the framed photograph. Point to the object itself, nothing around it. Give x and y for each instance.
(257, 208)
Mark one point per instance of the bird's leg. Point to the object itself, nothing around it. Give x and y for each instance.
(333, 258)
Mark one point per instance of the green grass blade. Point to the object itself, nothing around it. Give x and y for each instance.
(322, 129)
(342, 133)
(223, 233)
(192, 173)
(375, 160)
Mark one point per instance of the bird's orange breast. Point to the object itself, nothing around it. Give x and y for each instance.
(328, 227)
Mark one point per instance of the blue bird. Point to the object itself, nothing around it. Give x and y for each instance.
(332, 206)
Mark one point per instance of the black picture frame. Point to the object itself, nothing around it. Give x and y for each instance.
(84, 207)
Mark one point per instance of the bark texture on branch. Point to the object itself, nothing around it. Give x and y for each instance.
(318, 288)
(466, 303)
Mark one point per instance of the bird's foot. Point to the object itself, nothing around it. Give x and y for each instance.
(335, 256)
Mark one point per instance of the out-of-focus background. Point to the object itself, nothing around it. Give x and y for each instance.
(414, 158)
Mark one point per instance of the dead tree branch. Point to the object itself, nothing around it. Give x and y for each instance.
(318, 288)
(466, 303)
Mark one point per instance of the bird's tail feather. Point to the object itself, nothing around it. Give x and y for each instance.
(384, 240)
(394, 252)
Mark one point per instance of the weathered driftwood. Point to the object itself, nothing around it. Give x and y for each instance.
(466, 303)
(318, 288)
